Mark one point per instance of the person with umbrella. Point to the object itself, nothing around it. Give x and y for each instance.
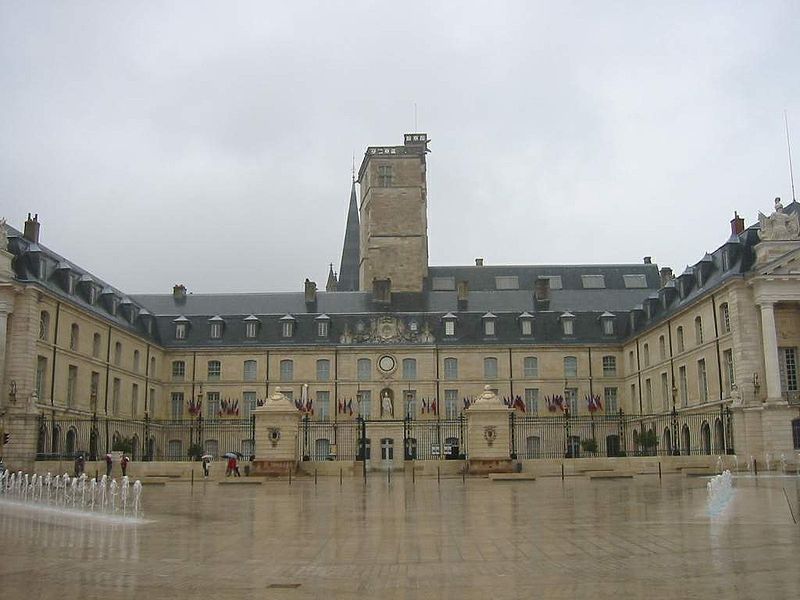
(206, 459)
(124, 464)
(233, 463)
(109, 464)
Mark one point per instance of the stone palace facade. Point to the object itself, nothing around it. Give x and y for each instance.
(395, 338)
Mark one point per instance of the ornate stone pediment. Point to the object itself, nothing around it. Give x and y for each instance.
(779, 226)
(387, 329)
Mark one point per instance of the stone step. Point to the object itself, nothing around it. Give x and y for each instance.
(512, 477)
(241, 481)
(610, 475)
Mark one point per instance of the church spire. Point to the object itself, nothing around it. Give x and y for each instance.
(332, 284)
(351, 254)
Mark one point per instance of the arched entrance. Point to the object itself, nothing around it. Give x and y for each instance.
(719, 437)
(705, 438)
(93, 437)
(72, 436)
(686, 440)
(612, 445)
(666, 440)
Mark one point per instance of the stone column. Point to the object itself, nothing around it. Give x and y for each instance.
(770, 345)
(5, 309)
(277, 433)
(488, 435)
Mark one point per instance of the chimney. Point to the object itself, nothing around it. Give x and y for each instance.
(648, 260)
(463, 294)
(179, 292)
(310, 290)
(737, 224)
(541, 293)
(478, 262)
(666, 275)
(382, 291)
(31, 232)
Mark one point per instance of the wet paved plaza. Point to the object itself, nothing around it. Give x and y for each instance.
(639, 538)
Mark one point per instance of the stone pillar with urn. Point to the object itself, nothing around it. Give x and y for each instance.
(277, 432)
(489, 435)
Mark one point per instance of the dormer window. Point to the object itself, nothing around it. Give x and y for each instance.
(568, 323)
(287, 326)
(489, 321)
(526, 324)
(92, 295)
(71, 281)
(114, 305)
(251, 327)
(181, 327)
(725, 260)
(607, 323)
(323, 323)
(449, 324)
(215, 327)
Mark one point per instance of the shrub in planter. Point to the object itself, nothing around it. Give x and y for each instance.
(589, 445)
(195, 451)
(124, 445)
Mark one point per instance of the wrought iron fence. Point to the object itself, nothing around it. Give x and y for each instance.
(146, 439)
(621, 435)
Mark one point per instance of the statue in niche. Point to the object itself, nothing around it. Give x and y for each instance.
(387, 404)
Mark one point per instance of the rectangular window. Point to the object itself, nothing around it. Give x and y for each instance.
(684, 386)
(702, 381)
(323, 405)
(178, 370)
(115, 392)
(288, 327)
(506, 282)
(488, 327)
(322, 328)
(176, 405)
(364, 369)
(725, 317)
(409, 368)
(648, 395)
(532, 400)
(364, 399)
(570, 366)
(490, 368)
(635, 281)
(214, 370)
(248, 404)
(555, 281)
(250, 370)
(134, 400)
(681, 343)
(250, 329)
(665, 395)
(323, 369)
(662, 348)
(593, 281)
(449, 328)
(94, 390)
(527, 327)
(634, 399)
(571, 398)
(41, 376)
(569, 326)
(788, 369)
(609, 366)
(730, 375)
(608, 326)
(216, 331)
(212, 405)
(530, 367)
(451, 404)
(287, 370)
(72, 382)
(152, 402)
(610, 400)
(410, 404)
(451, 368)
(180, 331)
(384, 176)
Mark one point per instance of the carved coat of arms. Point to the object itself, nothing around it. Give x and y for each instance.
(490, 434)
(387, 329)
(274, 436)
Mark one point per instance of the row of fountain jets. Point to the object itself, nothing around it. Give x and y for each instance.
(769, 460)
(104, 496)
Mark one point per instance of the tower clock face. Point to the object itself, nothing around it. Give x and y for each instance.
(386, 364)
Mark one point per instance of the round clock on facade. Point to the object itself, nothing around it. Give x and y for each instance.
(386, 364)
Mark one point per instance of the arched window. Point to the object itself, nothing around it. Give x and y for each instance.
(451, 368)
(662, 347)
(96, 345)
(698, 330)
(570, 366)
(364, 369)
(287, 370)
(74, 333)
(250, 370)
(152, 366)
(725, 318)
(214, 370)
(679, 335)
(490, 367)
(117, 353)
(646, 353)
(44, 325)
(136, 361)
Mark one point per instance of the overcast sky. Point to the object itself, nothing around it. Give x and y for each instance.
(211, 143)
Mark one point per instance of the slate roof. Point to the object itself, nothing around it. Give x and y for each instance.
(351, 253)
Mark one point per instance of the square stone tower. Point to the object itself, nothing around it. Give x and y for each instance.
(394, 215)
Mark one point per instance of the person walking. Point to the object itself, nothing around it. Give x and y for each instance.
(77, 469)
(236, 467)
(231, 466)
(206, 465)
(109, 465)
(124, 465)
(81, 465)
